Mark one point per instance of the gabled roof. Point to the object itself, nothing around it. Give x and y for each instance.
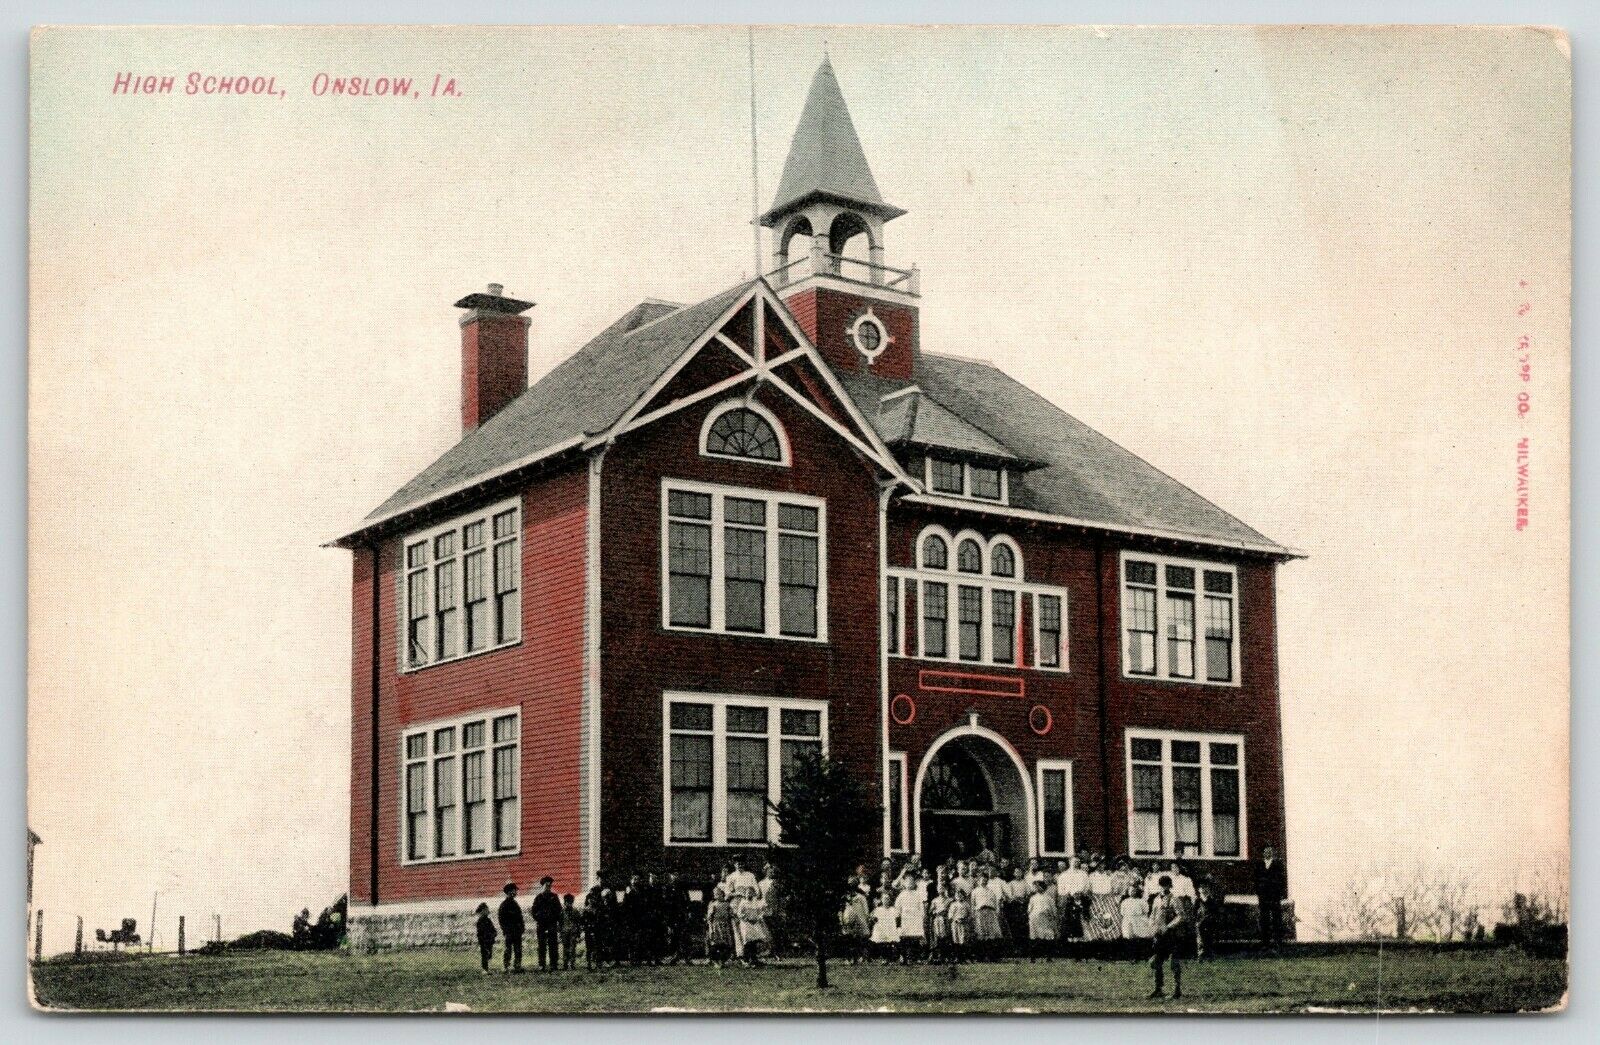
(825, 156)
(1083, 475)
(585, 394)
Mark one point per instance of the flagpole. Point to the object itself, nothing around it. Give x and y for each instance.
(755, 175)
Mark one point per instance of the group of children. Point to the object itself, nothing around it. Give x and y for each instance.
(650, 921)
(985, 909)
(557, 927)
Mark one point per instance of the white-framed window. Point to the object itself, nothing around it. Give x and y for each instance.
(462, 587)
(1053, 781)
(1049, 629)
(1180, 620)
(897, 802)
(1186, 794)
(743, 562)
(461, 787)
(979, 482)
(725, 759)
(971, 598)
(893, 616)
(745, 431)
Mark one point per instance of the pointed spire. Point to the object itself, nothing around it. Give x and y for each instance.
(825, 157)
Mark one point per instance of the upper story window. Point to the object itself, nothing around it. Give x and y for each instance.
(747, 431)
(962, 479)
(1180, 620)
(743, 561)
(462, 780)
(971, 608)
(463, 586)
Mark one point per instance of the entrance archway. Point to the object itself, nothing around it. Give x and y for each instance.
(972, 793)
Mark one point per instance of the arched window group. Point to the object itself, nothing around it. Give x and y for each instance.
(973, 605)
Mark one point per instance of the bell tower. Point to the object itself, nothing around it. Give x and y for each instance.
(827, 249)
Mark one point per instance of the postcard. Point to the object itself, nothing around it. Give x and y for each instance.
(792, 518)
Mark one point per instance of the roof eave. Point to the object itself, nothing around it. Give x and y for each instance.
(779, 211)
(391, 520)
(1267, 548)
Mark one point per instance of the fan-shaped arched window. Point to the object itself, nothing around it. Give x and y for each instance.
(1002, 563)
(969, 557)
(744, 431)
(935, 553)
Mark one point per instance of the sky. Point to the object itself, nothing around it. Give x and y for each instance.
(1288, 267)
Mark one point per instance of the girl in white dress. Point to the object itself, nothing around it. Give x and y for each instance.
(1044, 922)
(912, 908)
(750, 927)
(885, 926)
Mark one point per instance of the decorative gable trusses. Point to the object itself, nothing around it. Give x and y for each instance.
(755, 343)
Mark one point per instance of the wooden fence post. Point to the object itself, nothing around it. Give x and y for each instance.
(77, 942)
(38, 935)
(180, 936)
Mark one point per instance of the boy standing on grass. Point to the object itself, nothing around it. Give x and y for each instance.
(511, 926)
(486, 935)
(1169, 916)
(571, 927)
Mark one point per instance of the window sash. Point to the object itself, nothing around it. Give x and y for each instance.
(1047, 647)
(1055, 807)
(934, 633)
(738, 561)
(1003, 626)
(455, 782)
(722, 775)
(891, 612)
(447, 596)
(1186, 803)
(1180, 620)
(895, 801)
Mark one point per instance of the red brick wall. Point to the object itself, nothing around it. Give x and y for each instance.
(494, 366)
(1065, 557)
(1070, 697)
(1251, 709)
(543, 675)
(641, 660)
(826, 314)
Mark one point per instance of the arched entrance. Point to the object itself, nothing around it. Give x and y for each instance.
(972, 793)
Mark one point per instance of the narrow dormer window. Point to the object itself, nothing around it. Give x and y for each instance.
(946, 477)
(984, 482)
(959, 479)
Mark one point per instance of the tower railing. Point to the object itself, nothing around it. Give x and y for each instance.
(854, 270)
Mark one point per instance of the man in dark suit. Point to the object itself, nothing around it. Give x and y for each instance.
(511, 926)
(546, 912)
(1272, 886)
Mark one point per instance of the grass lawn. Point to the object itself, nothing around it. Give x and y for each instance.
(1460, 981)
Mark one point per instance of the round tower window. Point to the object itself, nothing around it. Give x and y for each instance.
(870, 335)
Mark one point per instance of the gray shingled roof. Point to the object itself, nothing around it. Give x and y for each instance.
(1084, 475)
(962, 405)
(825, 155)
(585, 394)
(914, 419)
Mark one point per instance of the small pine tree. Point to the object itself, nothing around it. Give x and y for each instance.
(826, 826)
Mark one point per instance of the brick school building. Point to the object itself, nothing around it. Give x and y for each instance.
(592, 635)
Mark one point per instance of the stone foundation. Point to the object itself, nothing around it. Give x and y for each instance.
(403, 927)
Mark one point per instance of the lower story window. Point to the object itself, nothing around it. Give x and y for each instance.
(460, 777)
(726, 761)
(895, 801)
(1055, 808)
(1185, 794)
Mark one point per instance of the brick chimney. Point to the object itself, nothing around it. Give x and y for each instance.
(494, 354)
